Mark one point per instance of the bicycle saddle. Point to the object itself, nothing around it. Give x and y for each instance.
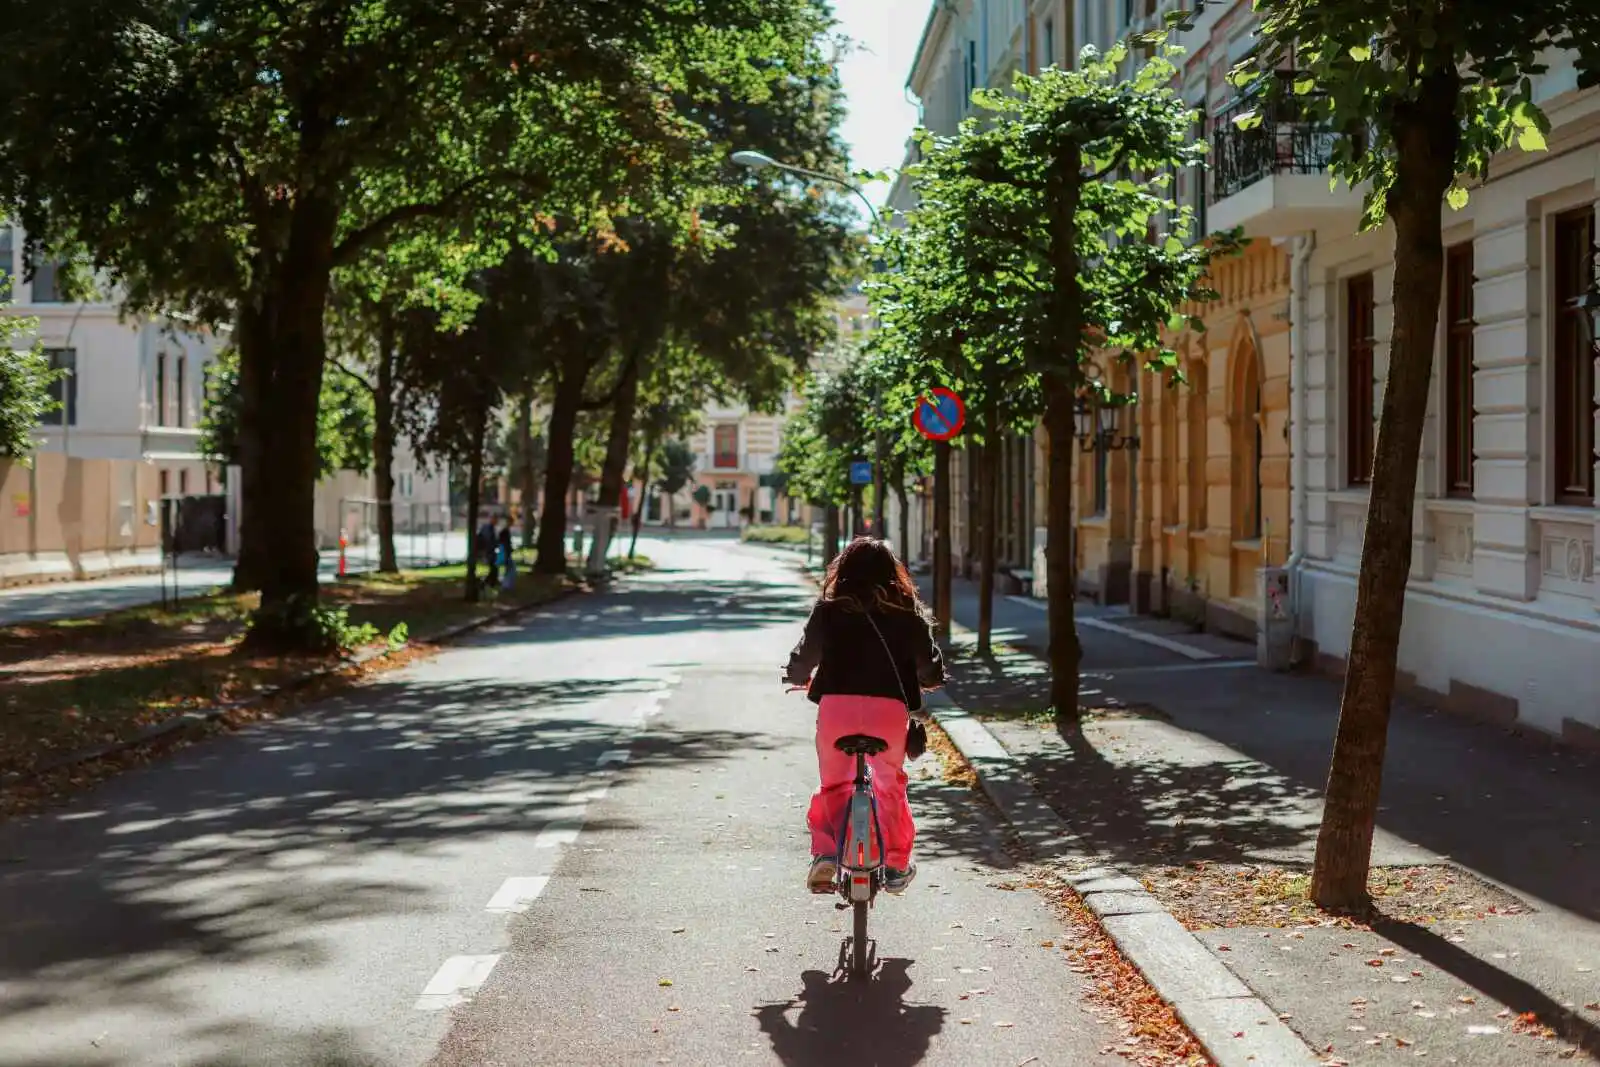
(860, 745)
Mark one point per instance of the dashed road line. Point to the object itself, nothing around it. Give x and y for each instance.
(455, 981)
(516, 894)
(618, 756)
(558, 833)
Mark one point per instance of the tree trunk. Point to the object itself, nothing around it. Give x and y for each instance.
(1426, 138)
(942, 571)
(558, 467)
(615, 467)
(530, 485)
(644, 491)
(905, 520)
(383, 442)
(988, 473)
(1065, 652)
(285, 400)
(480, 432)
(1060, 389)
(830, 534)
(974, 503)
(254, 341)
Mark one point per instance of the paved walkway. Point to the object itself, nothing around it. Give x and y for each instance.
(573, 839)
(196, 574)
(1218, 763)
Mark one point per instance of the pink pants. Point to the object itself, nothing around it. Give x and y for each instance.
(882, 717)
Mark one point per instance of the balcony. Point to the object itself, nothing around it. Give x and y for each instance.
(1271, 180)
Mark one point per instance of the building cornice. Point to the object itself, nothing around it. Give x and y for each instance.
(932, 34)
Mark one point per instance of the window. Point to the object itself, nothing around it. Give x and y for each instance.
(8, 256)
(1199, 416)
(1359, 341)
(183, 483)
(725, 447)
(1458, 466)
(47, 282)
(161, 389)
(64, 390)
(1572, 392)
(166, 483)
(971, 75)
(1049, 42)
(181, 400)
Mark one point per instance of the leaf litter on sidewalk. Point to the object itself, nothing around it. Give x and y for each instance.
(1152, 1034)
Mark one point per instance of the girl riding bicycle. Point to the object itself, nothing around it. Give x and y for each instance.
(871, 645)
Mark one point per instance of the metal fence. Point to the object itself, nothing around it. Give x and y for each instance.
(426, 535)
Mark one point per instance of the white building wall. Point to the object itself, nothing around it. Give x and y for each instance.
(1503, 610)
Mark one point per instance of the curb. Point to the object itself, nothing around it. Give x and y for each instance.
(1233, 1025)
(200, 718)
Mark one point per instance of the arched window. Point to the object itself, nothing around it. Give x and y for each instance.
(1245, 421)
(1168, 398)
(1198, 415)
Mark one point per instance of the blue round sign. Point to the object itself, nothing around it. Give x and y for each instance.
(939, 415)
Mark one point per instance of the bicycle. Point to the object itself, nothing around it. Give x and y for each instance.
(860, 840)
(860, 834)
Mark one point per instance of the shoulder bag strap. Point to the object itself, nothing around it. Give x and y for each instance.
(892, 666)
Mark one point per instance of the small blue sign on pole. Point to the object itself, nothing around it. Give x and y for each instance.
(861, 472)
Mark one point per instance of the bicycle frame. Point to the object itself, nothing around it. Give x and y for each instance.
(861, 840)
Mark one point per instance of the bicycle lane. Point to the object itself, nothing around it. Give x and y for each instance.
(679, 931)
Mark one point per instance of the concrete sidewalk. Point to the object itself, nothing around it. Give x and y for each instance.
(1203, 779)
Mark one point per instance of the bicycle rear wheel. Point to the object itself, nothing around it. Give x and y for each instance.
(858, 943)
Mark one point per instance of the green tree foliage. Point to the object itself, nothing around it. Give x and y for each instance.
(1046, 242)
(1422, 96)
(677, 467)
(228, 160)
(25, 389)
(344, 419)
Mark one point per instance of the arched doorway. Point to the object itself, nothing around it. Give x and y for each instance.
(1245, 420)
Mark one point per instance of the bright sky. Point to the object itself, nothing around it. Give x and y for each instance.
(874, 75)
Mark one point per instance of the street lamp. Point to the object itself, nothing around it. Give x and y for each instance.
(761, 161)
(1095, 424)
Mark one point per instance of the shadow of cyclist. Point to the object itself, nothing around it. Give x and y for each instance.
(866, 1024)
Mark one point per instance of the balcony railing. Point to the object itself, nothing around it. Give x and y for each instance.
(1278, 144)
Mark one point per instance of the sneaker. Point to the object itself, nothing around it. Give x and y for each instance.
(895, 882)
(823, 874)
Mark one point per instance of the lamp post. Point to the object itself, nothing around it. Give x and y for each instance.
(761, 161)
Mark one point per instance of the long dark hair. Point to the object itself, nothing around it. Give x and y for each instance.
(867, 574)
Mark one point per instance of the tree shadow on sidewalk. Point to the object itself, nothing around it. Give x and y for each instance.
(1197, 803)
(846, 1021)
(1520, 996)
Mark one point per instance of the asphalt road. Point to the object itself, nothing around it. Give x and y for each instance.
(574, 840)
(196, 574)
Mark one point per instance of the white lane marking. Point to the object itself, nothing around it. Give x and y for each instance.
(455, 981)
(560, 832)
(592, 794)
(1029, 602)
(618, 756)
(1150, 639)
(516, 894)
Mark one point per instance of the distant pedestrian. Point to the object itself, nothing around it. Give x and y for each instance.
(486, 551)
(508, 561)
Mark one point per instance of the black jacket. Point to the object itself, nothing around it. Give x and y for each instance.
(850, 660)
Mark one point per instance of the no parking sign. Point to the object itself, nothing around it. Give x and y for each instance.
(939, 415)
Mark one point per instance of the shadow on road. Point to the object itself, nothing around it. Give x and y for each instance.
(239, 851)
(842, 1021)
